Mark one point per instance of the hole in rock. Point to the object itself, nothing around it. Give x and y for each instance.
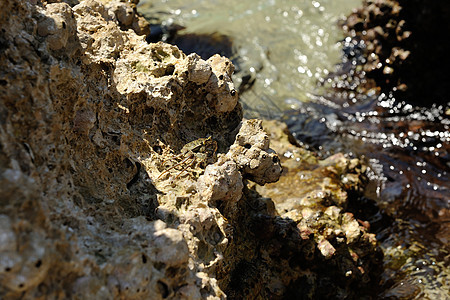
(163, 289)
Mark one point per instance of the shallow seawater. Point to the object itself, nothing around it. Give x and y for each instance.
(407, 202)
(286, 55)
(280, 47)
(408, 148)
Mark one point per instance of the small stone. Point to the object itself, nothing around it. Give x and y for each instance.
(326, 248)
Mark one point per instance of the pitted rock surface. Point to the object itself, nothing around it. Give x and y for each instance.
(100, 198)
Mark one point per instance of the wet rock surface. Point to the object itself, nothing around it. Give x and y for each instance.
(387, 102)
(126, 170)
(311, 235)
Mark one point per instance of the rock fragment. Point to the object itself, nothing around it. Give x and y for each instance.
(252, 154)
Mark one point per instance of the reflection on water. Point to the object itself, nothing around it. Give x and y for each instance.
(408, 150)
(282, 50)
(283, 45)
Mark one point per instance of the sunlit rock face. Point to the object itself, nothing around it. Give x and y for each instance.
(89, 111)
(125, 169)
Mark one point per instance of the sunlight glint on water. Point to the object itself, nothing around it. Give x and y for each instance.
(286, 45)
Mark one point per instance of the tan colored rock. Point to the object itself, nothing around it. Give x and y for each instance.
(312, 194)
(220, 86)
(125, 168)
(58, 26)
(221, 182)
(252, 154)
(81, 128)
(326, 248)
(351, 228)
(197, 69)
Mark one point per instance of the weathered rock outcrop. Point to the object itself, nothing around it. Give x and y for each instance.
(124, 171)
(404, 47)
(308, 246)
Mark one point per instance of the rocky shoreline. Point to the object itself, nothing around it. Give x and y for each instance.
(127, 172)
(404, 48)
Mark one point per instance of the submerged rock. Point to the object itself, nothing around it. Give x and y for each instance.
(125, 168)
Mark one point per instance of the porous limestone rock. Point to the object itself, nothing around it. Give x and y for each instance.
(222, 181)
(330, 246)
(124, 168)
(252, 154)
(89, 113)
(85, 104)
(58, 25)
